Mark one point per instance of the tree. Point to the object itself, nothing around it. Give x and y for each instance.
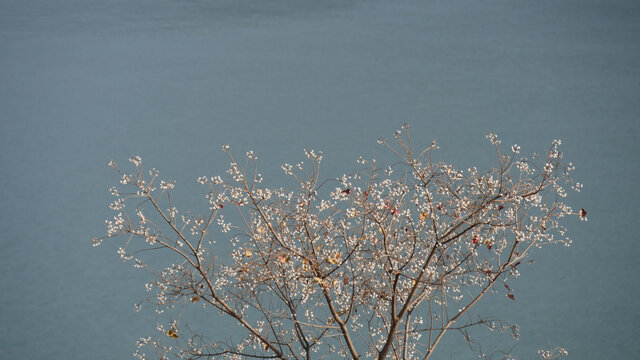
(380, 264)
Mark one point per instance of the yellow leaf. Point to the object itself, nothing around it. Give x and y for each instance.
(335, 259)
(423, 216)
(248, 253)
(195, 299)
(172, 333)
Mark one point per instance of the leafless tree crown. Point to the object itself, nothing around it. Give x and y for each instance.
(380, 264)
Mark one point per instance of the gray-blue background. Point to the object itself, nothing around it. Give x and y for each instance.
(85, 81)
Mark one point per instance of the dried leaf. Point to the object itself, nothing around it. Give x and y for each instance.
(172, 333)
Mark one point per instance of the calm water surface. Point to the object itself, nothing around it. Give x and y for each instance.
(82, 82)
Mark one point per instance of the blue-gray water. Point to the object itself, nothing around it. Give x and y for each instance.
(82, 82)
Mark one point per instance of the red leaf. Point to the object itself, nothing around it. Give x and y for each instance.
(510, 296)
(507, 286)
(500, 207)
(475, 240)
(394, 211)
(220, 206)
(346, 191)
(582, 213)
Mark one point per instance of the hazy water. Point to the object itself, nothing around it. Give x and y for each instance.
(82, 82)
